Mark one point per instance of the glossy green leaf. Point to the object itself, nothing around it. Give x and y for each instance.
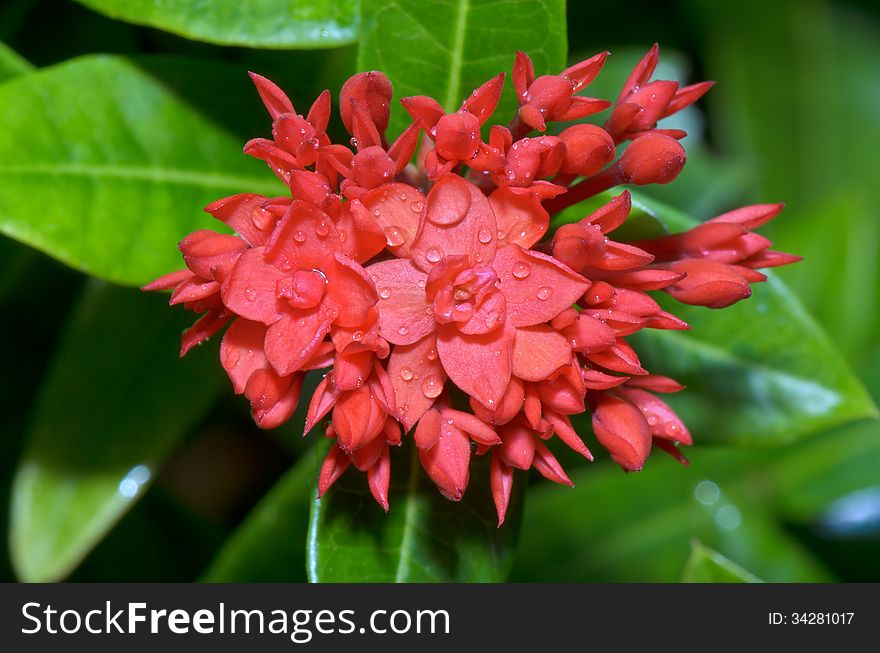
(269, 545)
(447, 48)
(11, 64)
(759, 372)
(105, 168)
(617, 527)
(423, 538)
(115, 402)
(255, 23)
(708, 566)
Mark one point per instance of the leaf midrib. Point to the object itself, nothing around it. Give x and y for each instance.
(456, 54)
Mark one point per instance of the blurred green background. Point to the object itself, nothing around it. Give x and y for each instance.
(793, 118)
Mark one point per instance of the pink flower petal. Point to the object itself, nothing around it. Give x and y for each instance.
(536, 286)
(418, 378)
(478, 364)
(539, 352)
(405, 315)
(458, 220)
(241, 351)
(520, 218)
(251, 288)
(293, 339)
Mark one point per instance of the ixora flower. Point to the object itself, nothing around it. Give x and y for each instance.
(434, 294)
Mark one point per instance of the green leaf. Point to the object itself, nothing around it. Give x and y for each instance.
(708, 566)
(11, 64)
(114, 404)
(105, 169)
(616, 527)
(447, 48)
(423, 538)
(269, 545)
(255, 23)
(759, 372)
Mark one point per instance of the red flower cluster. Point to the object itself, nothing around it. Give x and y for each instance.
(434, 291)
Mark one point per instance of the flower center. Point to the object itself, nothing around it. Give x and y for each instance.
(302, 289)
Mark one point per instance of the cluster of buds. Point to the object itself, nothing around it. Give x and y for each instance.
(434, 294)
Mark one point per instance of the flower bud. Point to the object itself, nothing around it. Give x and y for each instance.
(588, 149)
(373, 90)
(652, 159)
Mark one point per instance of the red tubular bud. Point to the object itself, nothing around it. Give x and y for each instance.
(652, 159)
(588, 149)
(623, 431)
(708, 283)
(372, 90)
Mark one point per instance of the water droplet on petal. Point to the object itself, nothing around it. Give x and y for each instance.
(322, 229)
(393, 236)
(385, 293)
(433, 255)
(299, 237)
(354, 142)
(521, 270)
(417, 206)
(406, 374)
(502, 234)
(357, 335)
(403, 331)
(544, 292)
(652, 420)
(431, 355)
(484, 235)
(250, 294)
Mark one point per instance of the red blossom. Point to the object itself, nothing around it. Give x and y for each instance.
(435, 296)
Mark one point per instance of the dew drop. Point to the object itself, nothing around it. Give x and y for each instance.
(433, 255)
(484, 235)
(672, 430)
(357, 336)
(285, 265)
(652, 420)
(322, 229)
(521, 270)
(431, 355)
(393, 236)
(299, 237)
(354, 142)
(502, 234)
(403, 331)
(377, 212)
(385, 293)
(406, 374)
(544, 292)
(401, 197)
(417, 206)
(250, 294)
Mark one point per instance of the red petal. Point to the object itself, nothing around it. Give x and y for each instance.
(405, 316)
(536, 286)
(304, 239)
(237, 212)
(241, 351)
(539, 352)
(273, 398)
(523, 75)
(209, 254)
(205, 327)
(623, 431)
(357, 418)
(379, 477)
(273, 97)
(501, 481)
(250, 290)
(349, 290)
(168, 281)
(548, 466)
(427, 111)
(564, 430)
(396, 209)
(581, 74)
(520, 218)
(323, 400)
(293, 339)
(482, 102)
(517, 445)
(478, 430)
(418, 378)
(336, 462)
(448, 463)
(480, 364)
(458, 220)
